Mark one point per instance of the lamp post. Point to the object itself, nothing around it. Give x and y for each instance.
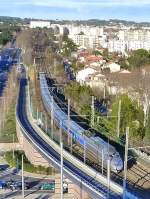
(125, 164)
(61, 159)
(22, 177)
(108, 177)
(102, 161)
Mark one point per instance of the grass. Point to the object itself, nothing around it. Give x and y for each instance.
(6, 134)
(27, 165)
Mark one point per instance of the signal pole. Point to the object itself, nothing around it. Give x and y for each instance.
(125, 163)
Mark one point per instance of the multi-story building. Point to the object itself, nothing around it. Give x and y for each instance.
(40, 24)
(129, 40)
(86, 36)
(86, 40)
(134, 35)
(123, 46)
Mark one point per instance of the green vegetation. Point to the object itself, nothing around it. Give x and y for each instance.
(7, 31)
(80, 97)
(68, 47)
(9, 127)
(132, 116)
(96, 52)
(27, 165)
(147, 131)
(77, 65)
(139, 58)
(5, 36)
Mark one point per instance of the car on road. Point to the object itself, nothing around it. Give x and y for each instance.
(48, 186)
(3, 166)
(2, 184)
(17, 185)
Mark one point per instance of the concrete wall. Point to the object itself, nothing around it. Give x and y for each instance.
(74, 191)
(31, 153)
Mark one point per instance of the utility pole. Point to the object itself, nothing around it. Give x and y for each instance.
(61, 146)
(37, 115)
(17, 165)
(34, 62)
(22, 178)
(71, 143)
(92, 112)
(104, 91)
(108, 177)
(46, 129)
(125, 163)
(68, 121)
(52, 123)
(13, 147)
(41, 118)
(102, 161)
(118, 122)
(84, 150)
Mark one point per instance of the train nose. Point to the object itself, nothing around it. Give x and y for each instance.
(119, 165)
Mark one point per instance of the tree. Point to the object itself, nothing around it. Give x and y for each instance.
(147, 131)
(139, 58)
(80, 96)
(68, 46)
(132, 116)
(96, 52)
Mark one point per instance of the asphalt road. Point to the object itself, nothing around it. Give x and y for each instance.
(35, 183)
(28, 194)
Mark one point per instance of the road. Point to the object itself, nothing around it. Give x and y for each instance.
(29, 194)
(35, 183)
(76, 173)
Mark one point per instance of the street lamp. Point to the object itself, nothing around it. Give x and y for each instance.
(125, 164)
(22, 177)
(61, 159)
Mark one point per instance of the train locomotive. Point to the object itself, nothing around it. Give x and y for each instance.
(93, 143)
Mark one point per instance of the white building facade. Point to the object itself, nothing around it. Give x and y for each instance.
(40, 24)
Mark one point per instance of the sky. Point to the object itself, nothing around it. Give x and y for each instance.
(133, 10)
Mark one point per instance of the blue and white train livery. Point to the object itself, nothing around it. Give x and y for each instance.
(96, 144)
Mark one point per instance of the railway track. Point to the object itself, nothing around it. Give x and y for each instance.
(138, 178)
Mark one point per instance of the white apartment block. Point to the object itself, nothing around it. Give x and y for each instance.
(86, 36)
(40, 24)
(87, 30)
(123, 46)
(117, 46)
(85, 40)
(134, 35)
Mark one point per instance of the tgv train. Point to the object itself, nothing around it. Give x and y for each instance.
(95, 144)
